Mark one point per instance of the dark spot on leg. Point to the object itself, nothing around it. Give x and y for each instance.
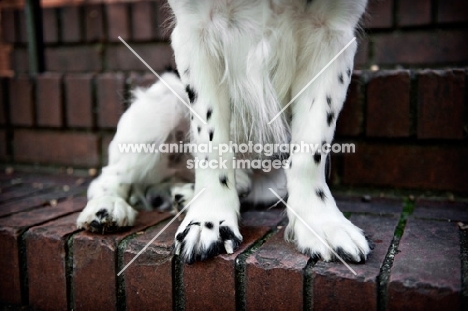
(370, 242)
(214, 249)
(191, 117)
(312, 103)
(344, 255)
(317, 158)
(181, 236)
(330, 117)
(314, 256)
(224, 180)
(191, 94)
(102, 213)
(208, 114)
(198, 129)
(209, 225)
(340, 78)
(211, 134)
(178, 197)
(192, 186)
(157, 201)
(348, 72)
(227, 234)
(320, 194)
(328, 100)
(95, 226)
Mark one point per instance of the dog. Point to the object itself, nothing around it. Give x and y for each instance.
(245, 71)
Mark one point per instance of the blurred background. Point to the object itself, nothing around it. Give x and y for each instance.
(406, 109)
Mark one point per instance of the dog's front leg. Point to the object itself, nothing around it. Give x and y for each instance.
(315, 223)
(211, 224)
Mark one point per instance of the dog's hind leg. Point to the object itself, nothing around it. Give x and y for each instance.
(154, 114)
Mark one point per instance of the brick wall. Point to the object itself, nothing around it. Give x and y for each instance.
(409, 124)
(398, 33)
(84, 38)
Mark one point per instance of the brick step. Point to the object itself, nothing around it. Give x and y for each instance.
(420, 260)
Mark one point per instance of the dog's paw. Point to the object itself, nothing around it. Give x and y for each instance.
(106, 214)
(181, 194)
(322, 235)
(209, 228)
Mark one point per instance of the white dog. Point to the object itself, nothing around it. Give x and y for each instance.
(241, 62)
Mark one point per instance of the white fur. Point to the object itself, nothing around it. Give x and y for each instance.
(244, 60)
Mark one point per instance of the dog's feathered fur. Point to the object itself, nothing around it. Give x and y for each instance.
(241, 62)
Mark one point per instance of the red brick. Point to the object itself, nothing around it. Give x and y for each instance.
(3, 100)
(352, 117)
(380, 14)
(269, 218)
(416, 47)
(388, 104)
(11, 231)
(95, 264)
(7, 20)
(21, 101)
(142, 20)
(79, 58)
(40, 200)
(79, 101)
(447, 211)
(42, 177)
(71, 24)
(110, 99)
(49, 20)
(20, 60)
(441, 104)
(78, 149)
(219, 281)
(414, 13)
(21, 190)
(22, 34)
(157, 55)
(49, 100)
(377, 205)
(362, 54)
(117, 21)
(46, 255)
(3, 145)
(335, 285)
(426, 270)
(452, 11)
(274, 276)
(148, 280)
(94, 25)
(144, 80)
(415, 167)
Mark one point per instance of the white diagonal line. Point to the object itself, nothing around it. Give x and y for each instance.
(159, 77)
(161, 231)
(311, 81)
(313, 231)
